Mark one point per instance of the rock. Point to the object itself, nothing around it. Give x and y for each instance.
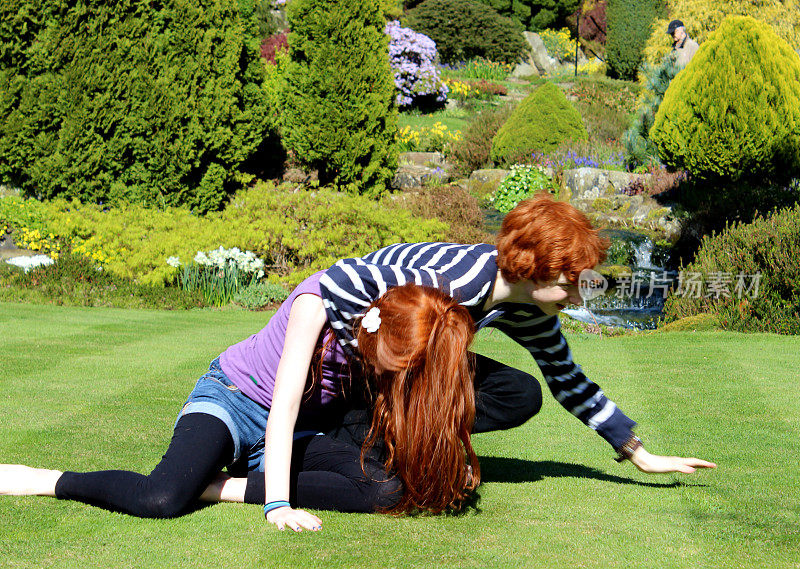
(590, 183)
(413, 177)
(426, 159)
(525, 69)
(298, 176)
(482, 183)
(8, 191)
(538, 56)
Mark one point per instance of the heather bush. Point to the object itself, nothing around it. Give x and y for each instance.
(703, 17)
(338, 114)
(521, 183)
(755, 273)
(131, 101)
(734, 112)
(466, 29)
(413, 60)
(629, 27)
(472, 151)
(540, 123)
(606, 106)
(451, 204)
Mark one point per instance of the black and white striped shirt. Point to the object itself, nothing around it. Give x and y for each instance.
(467, 273)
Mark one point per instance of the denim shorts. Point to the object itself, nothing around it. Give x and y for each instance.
(215, 394)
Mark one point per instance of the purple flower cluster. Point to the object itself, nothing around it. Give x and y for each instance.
(412, 56)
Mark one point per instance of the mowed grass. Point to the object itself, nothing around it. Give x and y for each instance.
(89, 389)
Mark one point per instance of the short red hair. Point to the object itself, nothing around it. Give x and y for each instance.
(542, 237)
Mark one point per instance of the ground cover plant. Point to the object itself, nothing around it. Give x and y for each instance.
(553, 496)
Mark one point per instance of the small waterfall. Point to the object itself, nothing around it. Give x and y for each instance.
(643, 253)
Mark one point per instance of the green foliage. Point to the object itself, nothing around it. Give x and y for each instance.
(259, 295)
(478, 68)
(129, 101)
(734, 112)
(769, 247)
(472, 151)
(605, 104)
(466, 29)
(74, 280)
(540, 123)
(702, 17)
(629, 26)
(338, 93)
(536, 14)
(523, 182)
(294, 232)
(639, 149)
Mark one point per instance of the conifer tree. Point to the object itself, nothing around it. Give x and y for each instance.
(338, 93)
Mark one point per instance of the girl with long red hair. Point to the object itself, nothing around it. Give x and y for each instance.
(414, 375)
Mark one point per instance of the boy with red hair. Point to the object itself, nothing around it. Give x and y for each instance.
(518, 287)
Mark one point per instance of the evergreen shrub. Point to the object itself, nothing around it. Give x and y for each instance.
(466, 29)
(338, 93)
(540, 123)
(130, 101)
(734, 112)
(536, 14)
(629, 25)
(702, 17)
(769, 247)
(639, 149)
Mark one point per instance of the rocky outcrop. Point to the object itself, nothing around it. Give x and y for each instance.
(599, 194)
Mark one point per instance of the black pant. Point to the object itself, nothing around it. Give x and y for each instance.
(326, 469)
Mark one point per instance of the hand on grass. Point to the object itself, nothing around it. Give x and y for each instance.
(653, 463)
(294, 519)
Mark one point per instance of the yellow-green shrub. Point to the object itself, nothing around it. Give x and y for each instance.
(294, 232)
(702, 17)
(734, 112)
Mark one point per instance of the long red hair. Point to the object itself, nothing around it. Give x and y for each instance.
(542, 237)
(424, 397)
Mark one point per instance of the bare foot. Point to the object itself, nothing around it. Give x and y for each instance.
(20, 480)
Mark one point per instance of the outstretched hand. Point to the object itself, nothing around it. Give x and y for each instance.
(653, 463)
(294, 519)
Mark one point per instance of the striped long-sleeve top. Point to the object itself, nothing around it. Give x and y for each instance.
(467, 273)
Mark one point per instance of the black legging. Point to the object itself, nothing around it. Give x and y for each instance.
(326, 475)
(326, 469)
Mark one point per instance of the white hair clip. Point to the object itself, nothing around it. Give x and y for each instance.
(372, 320)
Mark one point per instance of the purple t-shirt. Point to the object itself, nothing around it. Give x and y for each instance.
(252, 364)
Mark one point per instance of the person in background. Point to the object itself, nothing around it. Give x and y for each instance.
(683, 46)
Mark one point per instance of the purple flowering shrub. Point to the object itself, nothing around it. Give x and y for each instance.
(412, 56)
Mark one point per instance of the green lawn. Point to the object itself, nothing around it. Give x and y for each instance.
(100, 388)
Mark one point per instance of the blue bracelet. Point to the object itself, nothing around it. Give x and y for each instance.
(269, 506)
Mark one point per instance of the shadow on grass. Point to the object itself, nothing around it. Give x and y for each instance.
(503, 469)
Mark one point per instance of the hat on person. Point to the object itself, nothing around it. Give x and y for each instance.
(674, 25)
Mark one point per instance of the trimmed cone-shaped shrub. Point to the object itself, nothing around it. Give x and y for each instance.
(338, 93)
(734, 112)
(540, 123)
(129, 101)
